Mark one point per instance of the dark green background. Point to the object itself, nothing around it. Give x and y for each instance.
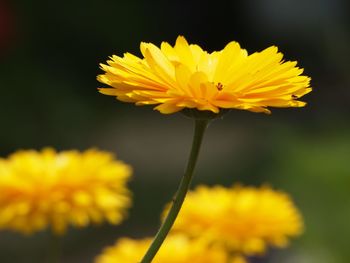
(49, 54)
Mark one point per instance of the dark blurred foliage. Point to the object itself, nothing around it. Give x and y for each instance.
(49, 54)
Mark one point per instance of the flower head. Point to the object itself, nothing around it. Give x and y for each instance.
(242, 219)
(176, 249)
(186, 76)
(58, 189)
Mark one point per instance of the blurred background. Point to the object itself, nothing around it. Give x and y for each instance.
(49, 58)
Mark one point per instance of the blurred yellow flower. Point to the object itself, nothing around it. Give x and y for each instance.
(237, 259)
(44, 188)
(185, 76)
(242, 219)
(176, 249)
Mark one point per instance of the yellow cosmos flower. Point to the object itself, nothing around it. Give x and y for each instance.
(44, 188)
(186, 76)
(243, 219)
(176, 249)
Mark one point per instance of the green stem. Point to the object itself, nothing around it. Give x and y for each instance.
(200, 126)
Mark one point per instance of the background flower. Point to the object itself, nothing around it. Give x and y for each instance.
(176, 249)
(57, 189)
(242, 219)
(185, 76)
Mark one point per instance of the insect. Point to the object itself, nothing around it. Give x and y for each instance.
(219, 86)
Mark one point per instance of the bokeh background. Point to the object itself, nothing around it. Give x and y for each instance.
(49, 56)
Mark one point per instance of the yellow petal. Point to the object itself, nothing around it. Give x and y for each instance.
(167, 108)
(184, 53)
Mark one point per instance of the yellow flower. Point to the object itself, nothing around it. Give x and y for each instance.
(243, 219)
(238, 259)
(185, 76)
(176, 249)
(44, 188)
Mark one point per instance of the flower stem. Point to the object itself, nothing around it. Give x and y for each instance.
(200, 126)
